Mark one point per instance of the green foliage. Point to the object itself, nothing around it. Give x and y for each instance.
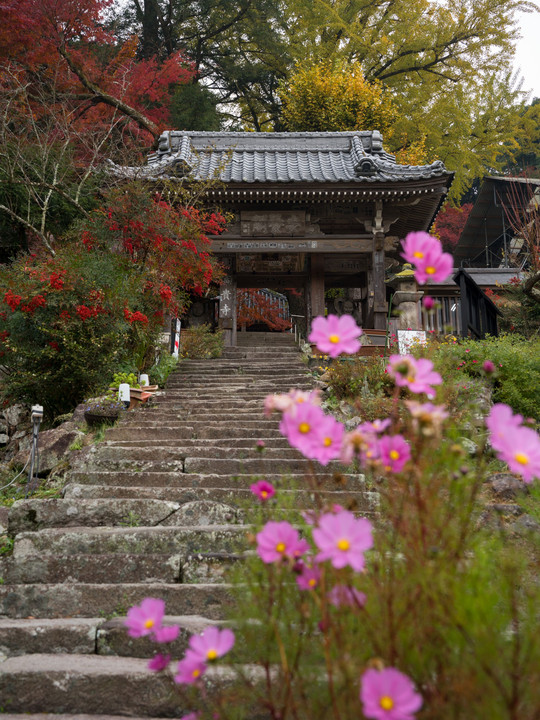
(516, 380)
(363, 383)
(159, 372)
(201, 342)
(193, 107)
(332, 97)
(123, 377)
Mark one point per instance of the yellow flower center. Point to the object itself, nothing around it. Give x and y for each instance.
(394, 454)
(327, 442)
(211, 654)
(521, 458)
(312, 582)
(196, 673)
(149, 624)
(418, 254)
(430, 270)
(343, 544)
(334, 339)
(411, 378)
(304, 427)
(264, 493)
(386, 702)
(280, 547)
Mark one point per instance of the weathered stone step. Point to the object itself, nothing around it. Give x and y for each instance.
(168, 437)
(181, 431)
(198, 481)
(107, 569)
(169, 460)
(91, 600)
(198, 445)
(170, 449)
(90, 684)
(201, 416)
(35, 515)
(228, 495)
(91, 636)
(185, 541)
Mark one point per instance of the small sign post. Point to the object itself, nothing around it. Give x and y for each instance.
(175, 337)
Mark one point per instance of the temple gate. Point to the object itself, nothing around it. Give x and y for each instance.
(311, 211)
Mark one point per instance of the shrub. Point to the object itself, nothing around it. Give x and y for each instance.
(516, 378)
(200, 342)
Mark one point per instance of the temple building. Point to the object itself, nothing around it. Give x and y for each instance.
(311, 212)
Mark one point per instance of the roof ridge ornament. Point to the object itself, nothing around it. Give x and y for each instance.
(363, 164)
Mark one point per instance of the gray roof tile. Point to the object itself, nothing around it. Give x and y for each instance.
(346, 157)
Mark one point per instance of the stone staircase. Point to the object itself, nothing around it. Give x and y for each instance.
(154, 510)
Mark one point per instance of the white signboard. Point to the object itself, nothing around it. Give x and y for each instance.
(408, 338)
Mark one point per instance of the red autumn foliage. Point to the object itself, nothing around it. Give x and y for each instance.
(449, 225)
(254, 308)
(62, 43)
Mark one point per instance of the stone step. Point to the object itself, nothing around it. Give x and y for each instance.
(172, 450)
(197, 444)
(169, 460)
(155, 540)
(91, 636)
(89, 684)
(198, 481)
(181, 431)
(202, 416)
(207, 568)
(169, 437)
(47, 569)
(361, 499)
(33, 515)
(108, 599)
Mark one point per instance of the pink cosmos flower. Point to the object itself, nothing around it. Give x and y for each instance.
(417, 375)
(425, 253)
(327, 440)
(334, 335)
(309, 578)
(488, 367)
(263, 490)
(343, 539)
(159, 662)
(394, 452)
(499, 420)
(436, 267)
(345, 596)
(287, 402)
(428, 302)
(377, 426)
(388, 695)
(520, 448)
(427, 417)
(190, 669)
(212, 643)
(166, 633)
(300, 427)
(279, 540)
(356, 443)
(416, 246)
(146, 618)
(191, 716)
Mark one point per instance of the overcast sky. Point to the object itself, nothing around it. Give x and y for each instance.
(528, 51)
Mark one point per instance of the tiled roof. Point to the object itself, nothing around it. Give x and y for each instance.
(345, 157)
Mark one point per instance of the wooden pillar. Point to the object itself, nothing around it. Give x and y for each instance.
(316, 286)
(227, 304)
(379, 288)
